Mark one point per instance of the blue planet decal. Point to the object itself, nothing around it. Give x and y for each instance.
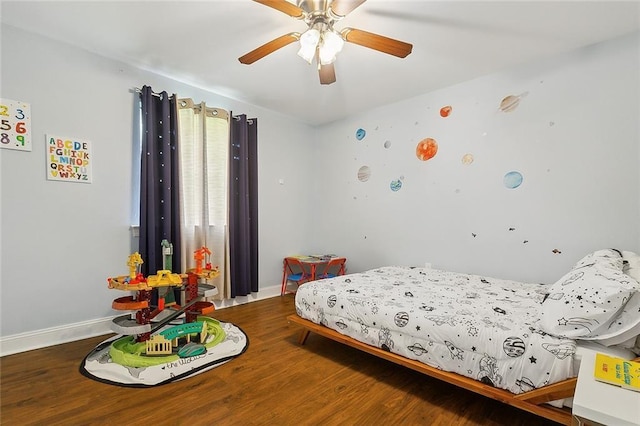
(512, 180)
(360, 134)
(395, 185)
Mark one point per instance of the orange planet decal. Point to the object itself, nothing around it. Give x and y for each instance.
(426, 149)
(445, 111)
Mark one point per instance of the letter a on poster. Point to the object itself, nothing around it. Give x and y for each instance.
(68, 159)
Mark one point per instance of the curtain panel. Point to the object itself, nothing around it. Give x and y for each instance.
(159, 180)
(204, 159)
(243, 205)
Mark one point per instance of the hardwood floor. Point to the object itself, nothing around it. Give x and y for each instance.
(275, 382)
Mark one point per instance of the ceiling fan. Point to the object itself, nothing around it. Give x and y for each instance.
(321, 41)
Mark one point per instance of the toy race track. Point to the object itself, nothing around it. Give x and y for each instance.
(142, 346)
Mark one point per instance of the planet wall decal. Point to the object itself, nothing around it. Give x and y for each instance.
(511, 102)
(445, 111)
(513, 179)
(364, 173)
(395, 185)
(467, 159)
(426, 149)
(360, 134)
(387, 144)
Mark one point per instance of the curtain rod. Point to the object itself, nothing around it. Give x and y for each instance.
(237, 118)
(157, 95)
(187, 103)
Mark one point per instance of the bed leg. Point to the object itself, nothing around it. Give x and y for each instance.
(303, 336)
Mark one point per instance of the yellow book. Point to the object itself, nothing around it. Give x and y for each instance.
(617, 371)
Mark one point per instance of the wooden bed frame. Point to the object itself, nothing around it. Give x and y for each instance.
(532, 401)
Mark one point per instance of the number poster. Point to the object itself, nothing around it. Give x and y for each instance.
(15, 127)
(68, 159)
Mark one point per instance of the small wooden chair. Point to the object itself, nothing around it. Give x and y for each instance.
(334, 267)
(294, 271)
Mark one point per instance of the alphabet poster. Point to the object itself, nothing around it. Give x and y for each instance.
(68, 159)
(15, 125)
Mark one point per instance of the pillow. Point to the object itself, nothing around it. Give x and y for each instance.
(586, 301)
(626, 325)
(623, 327)
(631, 264)
(606, 257)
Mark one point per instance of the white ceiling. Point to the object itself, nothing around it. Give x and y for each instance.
(199, 43)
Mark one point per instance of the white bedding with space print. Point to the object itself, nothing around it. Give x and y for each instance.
(479, 327)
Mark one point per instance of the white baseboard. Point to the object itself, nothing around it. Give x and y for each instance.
(31, 340)
(267, 293)
(28, 341)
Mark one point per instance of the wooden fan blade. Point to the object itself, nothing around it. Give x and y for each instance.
(342, 8)
(268, 48)
(377, 42)
(327, 74)
(284, 7)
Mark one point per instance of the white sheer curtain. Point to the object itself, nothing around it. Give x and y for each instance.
(204, 166)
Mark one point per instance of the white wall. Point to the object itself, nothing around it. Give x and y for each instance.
(574, 137)
(60, 241)
(581, 187)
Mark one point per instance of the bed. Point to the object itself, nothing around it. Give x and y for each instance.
(515, 342)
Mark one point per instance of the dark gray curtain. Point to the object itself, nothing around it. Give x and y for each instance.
(159, 185)
(243, 205)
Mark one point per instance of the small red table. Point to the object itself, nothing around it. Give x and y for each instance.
(310, 262)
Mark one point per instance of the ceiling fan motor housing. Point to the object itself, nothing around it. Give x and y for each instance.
(310, 6)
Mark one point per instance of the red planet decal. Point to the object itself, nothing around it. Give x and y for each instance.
(426, 149)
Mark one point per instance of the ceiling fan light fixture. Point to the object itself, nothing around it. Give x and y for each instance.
(308, 43)
(320, 42)
(330, 46)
